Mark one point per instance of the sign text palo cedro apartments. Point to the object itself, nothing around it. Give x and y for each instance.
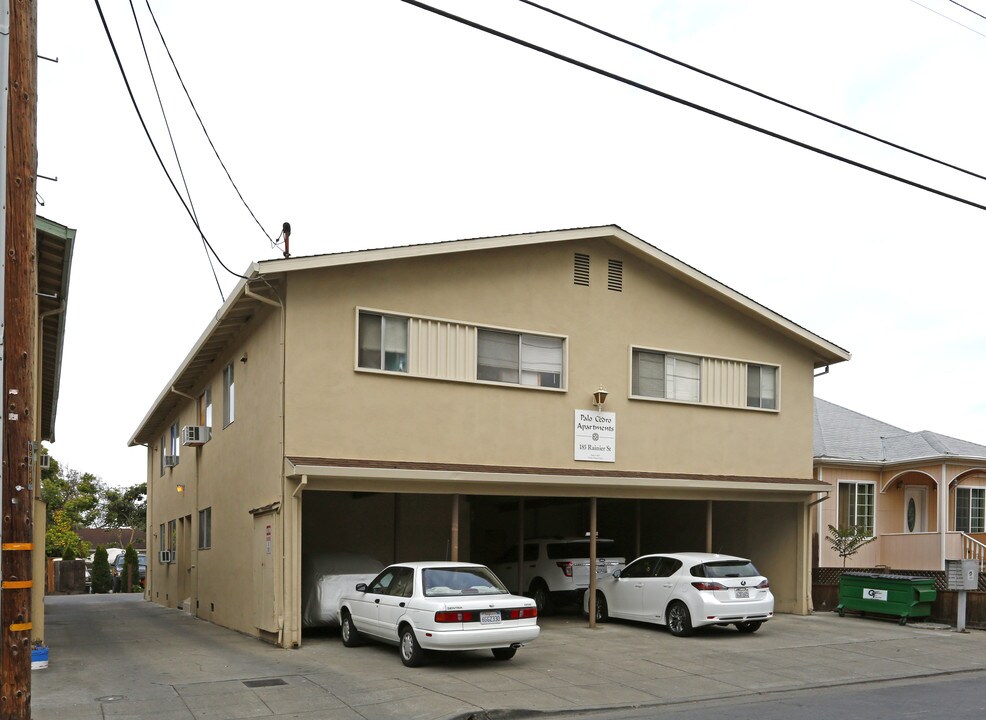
(595, 436)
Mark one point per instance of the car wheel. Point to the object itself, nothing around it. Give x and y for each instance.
(749, 627)
(541, 596)
(411, 653)
(679, 619)
(350, 635)
(504, 653)
(602, 609)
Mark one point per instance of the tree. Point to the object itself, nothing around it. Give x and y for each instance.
(130, 570)
(102, 579)
(61, 539)
(847, 541)
(126, 509)
(78, 495)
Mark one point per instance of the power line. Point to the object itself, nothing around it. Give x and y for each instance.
(950, 19)
(174, 148)
(968, 8)
(745, 88)
(202, 125)
(690, 104)
(133, 100)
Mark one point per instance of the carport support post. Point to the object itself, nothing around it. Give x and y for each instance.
(520, 546)
(454, 553)
(708, 526)
(592, 563)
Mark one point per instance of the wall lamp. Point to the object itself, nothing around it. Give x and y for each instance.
(599, 397)
(180, 488)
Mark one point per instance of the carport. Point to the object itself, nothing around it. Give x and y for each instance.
(401, 510)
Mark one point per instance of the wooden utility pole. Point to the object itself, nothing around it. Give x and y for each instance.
(19, 338)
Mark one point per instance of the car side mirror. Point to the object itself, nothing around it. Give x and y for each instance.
(616, 574)
(361, 587)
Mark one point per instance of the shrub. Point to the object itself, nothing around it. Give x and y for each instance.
(102, 578)
(130, 563)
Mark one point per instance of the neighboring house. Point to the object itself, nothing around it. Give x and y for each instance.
(921, 494)
(55, 245)
(113, 537)
(425, 402)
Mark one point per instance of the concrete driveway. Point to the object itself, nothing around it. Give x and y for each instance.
(118, 656)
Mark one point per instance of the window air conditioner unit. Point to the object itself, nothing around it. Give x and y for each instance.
(195, 435)
(44, 462)
(164, 556)
(170, 461)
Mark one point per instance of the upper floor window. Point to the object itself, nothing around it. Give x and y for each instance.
(203, 408)
(521, 358)
(761, 386)
(229, 395)
(856, 506)
(205, 528)
(970, 509)
(667, 375)
(382, 342)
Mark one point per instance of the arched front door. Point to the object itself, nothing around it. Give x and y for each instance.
(915, 508)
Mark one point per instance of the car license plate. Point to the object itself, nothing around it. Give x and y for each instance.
(742, 592)
(489, 618)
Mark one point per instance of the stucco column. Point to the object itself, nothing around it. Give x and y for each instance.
(943, 511)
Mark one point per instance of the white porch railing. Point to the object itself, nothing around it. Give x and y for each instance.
(972, 549)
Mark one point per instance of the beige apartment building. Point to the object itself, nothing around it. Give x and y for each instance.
(437, 401)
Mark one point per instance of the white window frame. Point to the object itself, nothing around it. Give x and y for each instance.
(205, 528)
(760, 395)
(229, 395)
(385, 338)
(970, 517)
(203, 408)
(853, 486)
(525, 367)
(670, 358)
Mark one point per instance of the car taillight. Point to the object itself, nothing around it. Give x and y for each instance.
(708, 586)
(566, 567)
(455, 617)
(520, 613)
(765, 585)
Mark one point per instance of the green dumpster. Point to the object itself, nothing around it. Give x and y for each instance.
(906, 596)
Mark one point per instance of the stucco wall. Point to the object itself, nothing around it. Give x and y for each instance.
(336, 411)
(239, 469)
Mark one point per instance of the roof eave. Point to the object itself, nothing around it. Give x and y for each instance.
(826, 352)
(141, 435)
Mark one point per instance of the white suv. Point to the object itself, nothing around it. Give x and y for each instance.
(555, 569)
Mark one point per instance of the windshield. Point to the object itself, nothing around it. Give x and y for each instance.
(459, 581)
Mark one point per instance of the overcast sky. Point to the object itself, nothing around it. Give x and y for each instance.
(375, 123)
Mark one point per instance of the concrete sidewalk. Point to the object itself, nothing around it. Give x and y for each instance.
(117, 656)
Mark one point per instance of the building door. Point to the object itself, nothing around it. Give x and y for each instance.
(915, 509)
(184, 562)
(265, 554)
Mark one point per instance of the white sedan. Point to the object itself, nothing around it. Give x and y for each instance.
(685, 591)
(423, 606)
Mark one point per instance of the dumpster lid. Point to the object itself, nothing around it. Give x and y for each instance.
(889, 576)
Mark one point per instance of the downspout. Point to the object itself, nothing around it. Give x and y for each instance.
(176, 391)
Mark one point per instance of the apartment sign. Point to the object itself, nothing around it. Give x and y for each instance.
(595, 436)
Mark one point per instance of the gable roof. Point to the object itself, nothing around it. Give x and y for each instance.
(244, 300)
(842, 435)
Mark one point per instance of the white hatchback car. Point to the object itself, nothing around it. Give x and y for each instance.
(685, 591)
(423, 606)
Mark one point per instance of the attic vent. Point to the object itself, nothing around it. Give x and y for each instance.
(581, 269)
(615, 276)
